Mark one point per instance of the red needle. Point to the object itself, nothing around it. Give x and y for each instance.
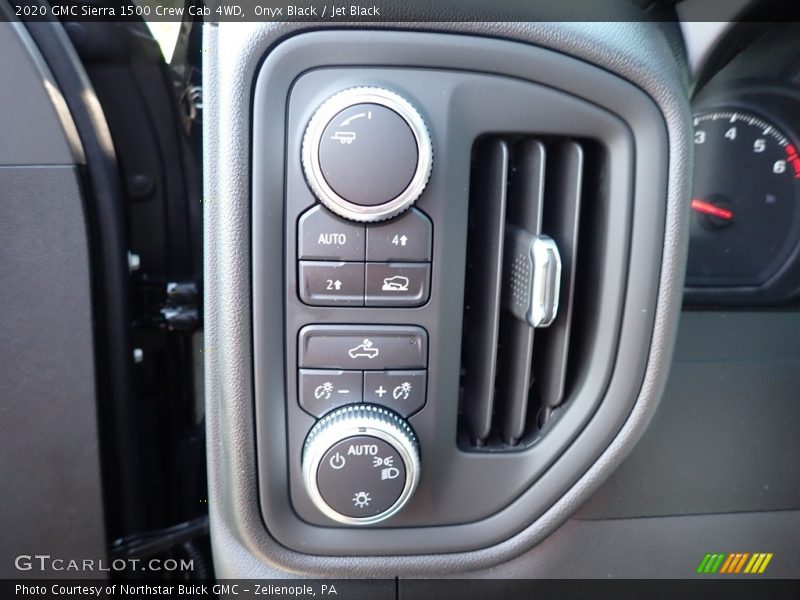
(711, 209)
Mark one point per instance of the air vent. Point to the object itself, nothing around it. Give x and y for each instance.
(514, 374)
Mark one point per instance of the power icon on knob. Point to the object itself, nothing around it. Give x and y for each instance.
(361, 464)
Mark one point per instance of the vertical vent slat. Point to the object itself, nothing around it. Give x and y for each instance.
(560, 221)
(526, 193)
(525, 202)
(482, 298)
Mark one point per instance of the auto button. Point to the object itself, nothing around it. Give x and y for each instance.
(363, 347)
(324, 236)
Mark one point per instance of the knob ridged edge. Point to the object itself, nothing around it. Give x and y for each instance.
(313, 171)
(355, 420)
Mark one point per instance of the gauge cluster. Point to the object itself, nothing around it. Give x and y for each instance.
(745, 208)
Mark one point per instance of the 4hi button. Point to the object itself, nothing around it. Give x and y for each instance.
(404, 239)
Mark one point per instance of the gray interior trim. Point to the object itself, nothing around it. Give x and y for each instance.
(657, 548)
(724, 438)
(637, 51)
(38, 127)
(700, 38)
(703, 23)
(51, 501)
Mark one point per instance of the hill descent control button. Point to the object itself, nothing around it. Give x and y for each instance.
(397, 284)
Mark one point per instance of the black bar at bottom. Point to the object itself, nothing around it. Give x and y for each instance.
(732, 587)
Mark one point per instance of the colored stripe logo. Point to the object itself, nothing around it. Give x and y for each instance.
(736, 563)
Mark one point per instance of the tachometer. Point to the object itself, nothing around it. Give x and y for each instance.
(745, 202)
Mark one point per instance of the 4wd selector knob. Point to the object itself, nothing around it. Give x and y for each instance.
(367, 154)
(360, 464)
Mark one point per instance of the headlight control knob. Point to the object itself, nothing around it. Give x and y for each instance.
(367, 154)
(361, 464)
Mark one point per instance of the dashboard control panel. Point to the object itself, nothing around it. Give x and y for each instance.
(367, 157)
(378, 264)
